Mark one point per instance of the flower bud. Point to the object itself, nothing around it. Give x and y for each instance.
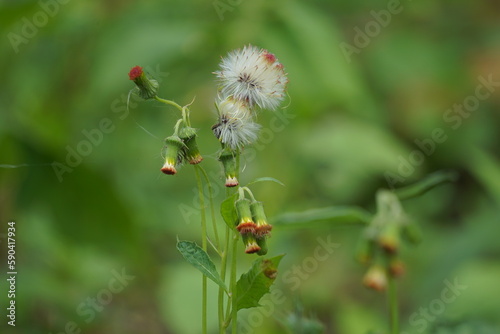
(147, 87)
(396, 268)
(263, 228)
(245, 223)
(375, 278)
(389, 239)
(173, 154)
(192, 153)
(262, 242)
(251, 245)
(228, 159)
(365, 250)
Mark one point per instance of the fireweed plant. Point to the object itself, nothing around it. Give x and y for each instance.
(250, 80)
(381, 237)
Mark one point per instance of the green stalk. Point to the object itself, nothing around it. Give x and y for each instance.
(233, 289)
(203, 246)
(392, 294)
(222, 325)
(172, 103)
(234, 297)
(212, 208)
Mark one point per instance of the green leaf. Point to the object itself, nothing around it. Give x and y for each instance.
(336, 215)
(255, 283)
(264, 179)
(228, 211)
(426, 184)
(199, 259)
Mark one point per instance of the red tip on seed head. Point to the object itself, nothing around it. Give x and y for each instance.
(135, 72)
(269, 57)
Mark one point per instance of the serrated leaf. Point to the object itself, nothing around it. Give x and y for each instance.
(228, 211)
(266, 178)
(255, 283)
(334, 215)
(199, 259)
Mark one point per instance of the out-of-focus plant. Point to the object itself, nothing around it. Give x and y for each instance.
(382, 236)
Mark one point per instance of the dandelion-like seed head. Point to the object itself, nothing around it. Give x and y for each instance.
(253, 75)
(236, 127)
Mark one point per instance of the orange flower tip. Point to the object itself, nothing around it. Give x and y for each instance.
(231, 182)
(168, 169)
(135, 72)
(390, 247)
(252, 248)
(246, 227)
(270, 58)
(378, 286)
(263, 230)
(397, 269)
(196, 160)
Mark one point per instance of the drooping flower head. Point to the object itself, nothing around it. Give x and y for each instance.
(236, 127)
(147, 87)
(254, 76)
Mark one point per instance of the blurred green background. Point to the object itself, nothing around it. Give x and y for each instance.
(353, 120)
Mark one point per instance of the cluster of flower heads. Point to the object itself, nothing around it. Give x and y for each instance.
(380, 244)
(181, 146)
(249, 78)
(252, 225)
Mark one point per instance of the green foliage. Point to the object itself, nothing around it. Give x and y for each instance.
(199, 259)
(255, 283)
(334, 215)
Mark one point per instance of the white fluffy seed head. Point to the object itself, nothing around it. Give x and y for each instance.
(253, 75)
(236, 127)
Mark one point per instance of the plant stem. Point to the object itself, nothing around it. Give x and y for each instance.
(234, 296)
(233, 289)
(172, 103)
(392, 294)
(212, 209)
(223, 277)
(201, 200)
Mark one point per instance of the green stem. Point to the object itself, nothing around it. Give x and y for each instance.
(233, 289)
(203, 246)
(212, 208)
(393, 305)
(223, 277)
(172, 103)
(234, 296)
